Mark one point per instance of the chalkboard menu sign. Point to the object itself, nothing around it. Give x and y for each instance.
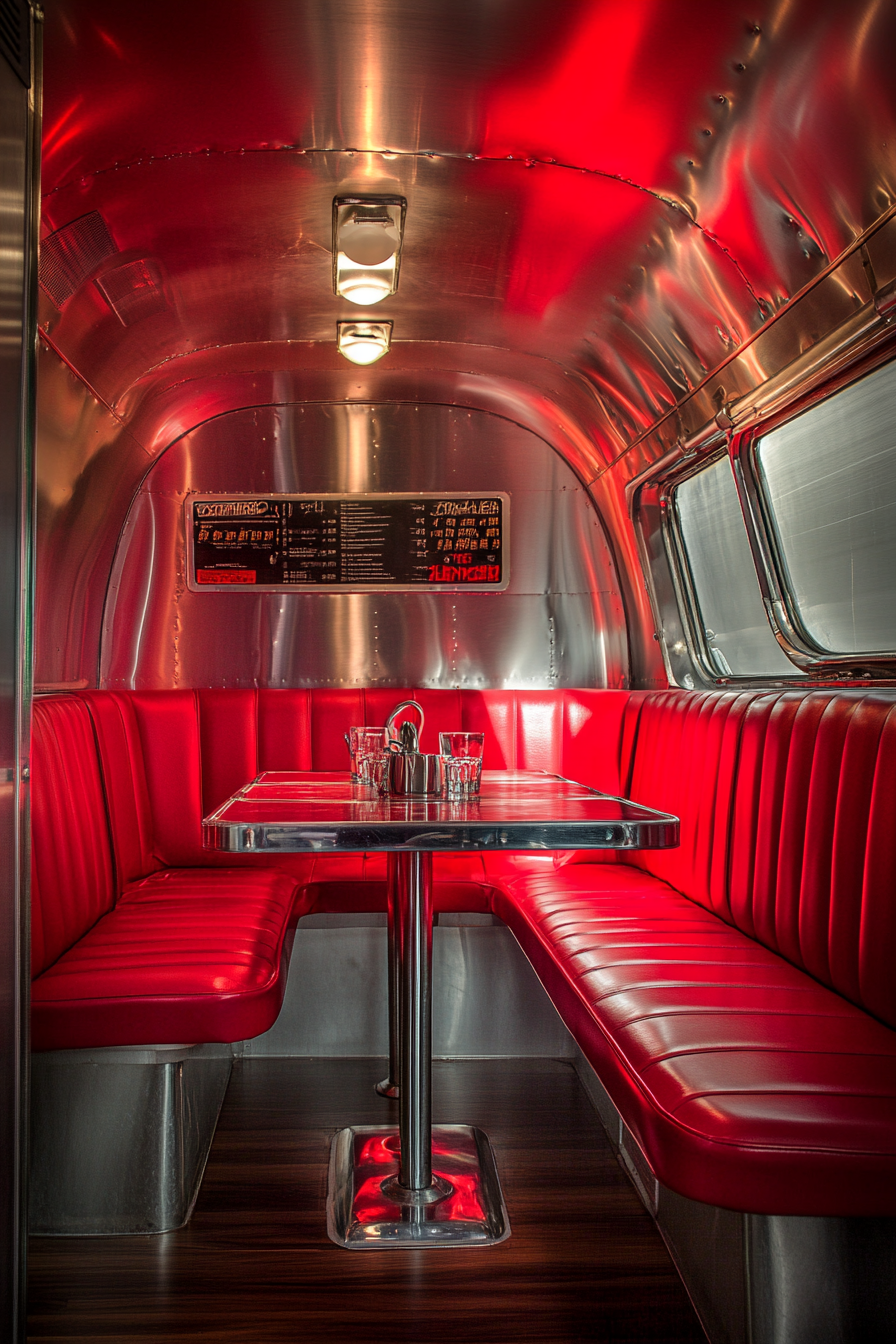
(348, 542)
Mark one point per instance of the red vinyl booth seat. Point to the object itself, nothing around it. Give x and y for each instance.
(735, 995)
(183, 954)
(121, 782)
(124, 950)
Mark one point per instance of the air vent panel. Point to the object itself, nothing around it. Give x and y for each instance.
(15, 37)
(71, 254)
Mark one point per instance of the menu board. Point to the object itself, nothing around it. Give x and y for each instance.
(348, 542)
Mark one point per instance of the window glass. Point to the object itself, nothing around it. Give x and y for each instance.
(723, 576)
(829, 477)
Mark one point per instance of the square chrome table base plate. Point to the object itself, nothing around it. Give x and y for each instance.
(361, 1217)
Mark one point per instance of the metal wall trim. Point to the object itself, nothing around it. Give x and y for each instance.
(829, 354)
(20, 149)
(863, 348)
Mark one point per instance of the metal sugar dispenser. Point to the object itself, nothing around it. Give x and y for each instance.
(411, 773)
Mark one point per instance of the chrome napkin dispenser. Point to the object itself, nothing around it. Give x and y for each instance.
(411, 773)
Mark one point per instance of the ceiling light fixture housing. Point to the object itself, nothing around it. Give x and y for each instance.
(367, 237)
(363, 342)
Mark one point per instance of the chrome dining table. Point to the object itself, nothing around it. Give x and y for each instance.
(421, 1185)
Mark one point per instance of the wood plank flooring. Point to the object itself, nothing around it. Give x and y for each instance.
(254, 1265)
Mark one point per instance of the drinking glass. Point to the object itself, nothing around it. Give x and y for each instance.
(463, 763)
(462, 775)
(373, 769)
(461, 744)
(363, 742)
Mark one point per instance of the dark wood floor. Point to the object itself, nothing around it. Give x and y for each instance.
(584, 1261)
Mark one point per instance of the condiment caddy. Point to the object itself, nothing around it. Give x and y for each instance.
(390, 760)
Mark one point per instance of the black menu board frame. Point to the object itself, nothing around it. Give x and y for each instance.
(435, 541)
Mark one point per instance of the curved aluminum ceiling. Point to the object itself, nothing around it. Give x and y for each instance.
(607, 199)
(627, 188)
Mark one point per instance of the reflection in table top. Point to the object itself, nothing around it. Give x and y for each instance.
(316, 811)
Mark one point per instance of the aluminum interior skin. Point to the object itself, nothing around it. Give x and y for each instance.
(558, 623)
(629, 225)
(601, 261)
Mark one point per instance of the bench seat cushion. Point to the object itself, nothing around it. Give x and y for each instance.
(749, 1084)
(185, 955)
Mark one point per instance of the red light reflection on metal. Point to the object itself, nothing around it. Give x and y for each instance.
(381, 1150)
(598, 110)
(378, 1160)
(571, 114)
(108, 40)
(62, 128)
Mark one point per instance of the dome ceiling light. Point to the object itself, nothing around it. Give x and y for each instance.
(367, 235)
(363, 342)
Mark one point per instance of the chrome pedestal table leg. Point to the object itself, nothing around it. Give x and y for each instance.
(419, 1186)
(389, 1085)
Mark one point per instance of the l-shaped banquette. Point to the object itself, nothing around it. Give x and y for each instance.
(736, 996)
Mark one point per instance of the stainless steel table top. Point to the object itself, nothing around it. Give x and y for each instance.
(320, 811)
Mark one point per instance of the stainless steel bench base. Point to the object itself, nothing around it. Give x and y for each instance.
(764, 1278)
(120, 1137)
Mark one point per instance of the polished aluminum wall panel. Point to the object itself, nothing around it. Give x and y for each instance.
(17, 326)
(621, 218)
(821, 1280)
(559, 623)
(487, 1000)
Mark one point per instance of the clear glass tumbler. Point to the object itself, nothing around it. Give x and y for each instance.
(462, 776)
(373, 769)
(364, 742)
(463, 764)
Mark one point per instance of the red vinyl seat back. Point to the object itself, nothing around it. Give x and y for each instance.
(169, 758)
(73, 880)
(684, 752)
(198, 747)
(787, 803)
(124, 777)
(813, 842)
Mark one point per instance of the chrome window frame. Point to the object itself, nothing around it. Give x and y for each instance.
(780, 604)
(682, 575)
(682, 580)
(686, 653)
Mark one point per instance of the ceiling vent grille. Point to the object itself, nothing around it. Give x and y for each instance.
(15, 37)
(134, 291)
(72, 253)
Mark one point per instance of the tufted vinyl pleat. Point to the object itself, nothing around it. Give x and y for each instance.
(284, 730)
(747, 1083)
(185, 955)
(71, 854)
(124, 777)
(812, 865)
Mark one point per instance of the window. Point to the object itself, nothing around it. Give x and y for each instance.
(828, 479)
(738, 638)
